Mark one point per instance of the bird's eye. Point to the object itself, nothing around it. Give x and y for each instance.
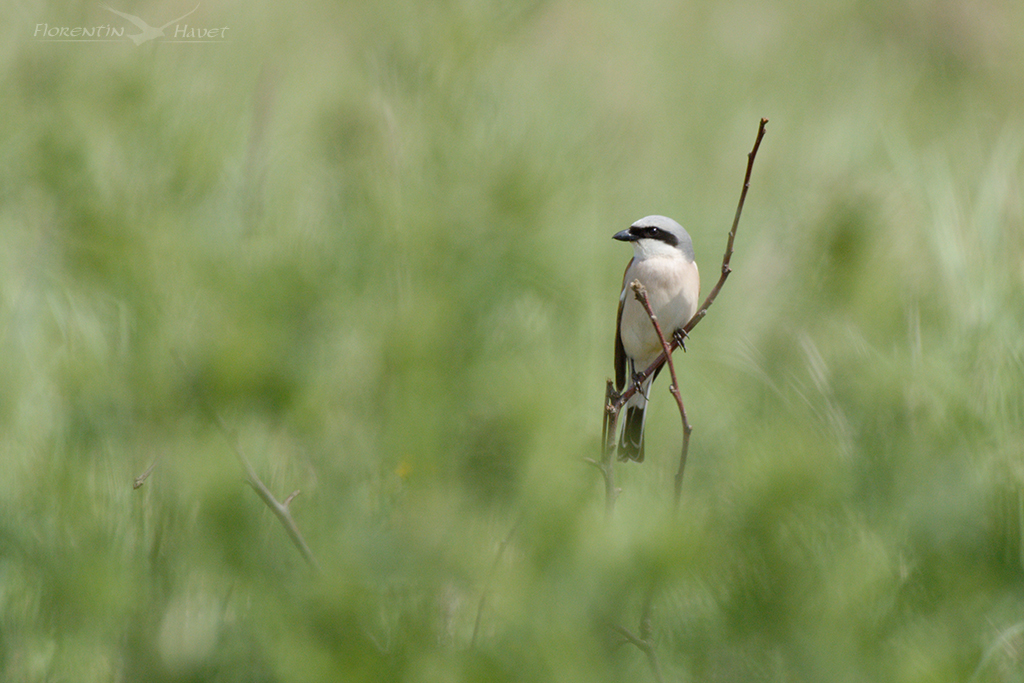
(654, 232)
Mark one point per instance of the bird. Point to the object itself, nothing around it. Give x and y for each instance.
(663, 262)
(148, 32)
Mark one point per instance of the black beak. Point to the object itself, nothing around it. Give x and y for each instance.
(625, 236)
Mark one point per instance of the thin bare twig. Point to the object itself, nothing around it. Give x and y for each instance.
(641, 295)
(643, 642)
(606, 466)
(726, 269)
(644, 645)
(280, 510)
(141, 479)
(490, 579)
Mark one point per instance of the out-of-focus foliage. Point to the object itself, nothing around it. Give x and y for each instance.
(374, 239)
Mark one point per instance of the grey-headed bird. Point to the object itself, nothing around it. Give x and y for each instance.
(663, 263)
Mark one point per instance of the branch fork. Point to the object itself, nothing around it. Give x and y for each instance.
(620, 399)
(279, 508)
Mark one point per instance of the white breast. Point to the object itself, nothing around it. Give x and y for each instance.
(673, 286)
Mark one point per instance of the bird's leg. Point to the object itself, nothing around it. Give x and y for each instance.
(679, 336)
(638, 383)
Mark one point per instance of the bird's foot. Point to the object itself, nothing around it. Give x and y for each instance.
(679, 336)
(638, 383)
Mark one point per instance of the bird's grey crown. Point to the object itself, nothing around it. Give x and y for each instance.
(677, 235)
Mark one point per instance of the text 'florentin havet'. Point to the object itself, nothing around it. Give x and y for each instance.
(181, 31)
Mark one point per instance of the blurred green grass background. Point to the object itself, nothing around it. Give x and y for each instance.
(374, 238)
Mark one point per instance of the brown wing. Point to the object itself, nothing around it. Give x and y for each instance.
(620, 351)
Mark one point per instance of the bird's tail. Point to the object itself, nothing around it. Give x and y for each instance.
(631, 440)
